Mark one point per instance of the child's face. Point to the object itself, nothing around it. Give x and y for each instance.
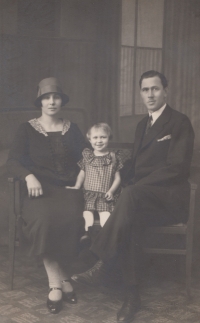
(99, 139)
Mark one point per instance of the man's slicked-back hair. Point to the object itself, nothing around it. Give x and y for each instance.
(153, 73)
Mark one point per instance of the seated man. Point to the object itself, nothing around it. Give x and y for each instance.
(157, 195)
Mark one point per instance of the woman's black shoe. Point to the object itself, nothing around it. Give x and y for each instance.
(54, 307)
(70, 297)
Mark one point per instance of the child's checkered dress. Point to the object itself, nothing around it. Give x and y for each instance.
(99, 176)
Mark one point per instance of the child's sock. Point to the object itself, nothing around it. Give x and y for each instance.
(103, 217)
(89, 219)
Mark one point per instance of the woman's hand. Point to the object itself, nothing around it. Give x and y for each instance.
(33, 185)
(109, 196)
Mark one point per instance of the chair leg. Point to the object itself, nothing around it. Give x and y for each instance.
(188, 274)
(189, 243)
(12, 234)
(11, 257)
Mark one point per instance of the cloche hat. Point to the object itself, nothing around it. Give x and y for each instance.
(50, 85)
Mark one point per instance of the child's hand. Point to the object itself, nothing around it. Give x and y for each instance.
(72, 187)
(109, 196)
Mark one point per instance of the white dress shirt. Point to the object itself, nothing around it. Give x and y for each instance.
(155, 115)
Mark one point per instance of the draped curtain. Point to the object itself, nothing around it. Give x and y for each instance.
(46, 38)
(181, 58)
(107, 63)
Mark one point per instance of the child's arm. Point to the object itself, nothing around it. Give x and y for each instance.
(79, 181)
(115, 185)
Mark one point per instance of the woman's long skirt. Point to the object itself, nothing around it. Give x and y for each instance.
(51, 224)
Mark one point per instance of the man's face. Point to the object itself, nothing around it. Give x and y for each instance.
(153, 94)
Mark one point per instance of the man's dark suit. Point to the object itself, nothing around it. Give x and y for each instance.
(159, 193)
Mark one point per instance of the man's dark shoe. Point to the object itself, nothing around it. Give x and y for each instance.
(85, 237)
(92, 276)
(130, 307)
(85, 240)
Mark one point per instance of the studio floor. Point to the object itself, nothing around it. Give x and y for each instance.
(162, 293)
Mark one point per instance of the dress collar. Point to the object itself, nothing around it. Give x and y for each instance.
(97, 161)
(38, 127)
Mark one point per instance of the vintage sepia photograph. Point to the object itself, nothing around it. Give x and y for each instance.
(99, 161)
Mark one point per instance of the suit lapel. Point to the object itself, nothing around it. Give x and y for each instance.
(139, 136)
(157, 126)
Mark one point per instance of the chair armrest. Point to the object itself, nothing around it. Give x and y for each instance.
(3, 159)
(12, 179)
(14, 190)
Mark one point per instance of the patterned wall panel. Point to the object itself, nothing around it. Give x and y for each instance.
(126, 81)
(8, 16)
(147, 59)
(150, 23)
(24, 62)
(37, 17)
(12, 69)
(128, 23)
(79, 19)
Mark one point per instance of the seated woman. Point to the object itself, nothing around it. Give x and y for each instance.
(44, 155)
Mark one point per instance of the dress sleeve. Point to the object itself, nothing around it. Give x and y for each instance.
(81, 164)
(86, 154)
(19, 155)
(119, 161)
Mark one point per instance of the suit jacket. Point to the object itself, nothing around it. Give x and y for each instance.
(162, 158)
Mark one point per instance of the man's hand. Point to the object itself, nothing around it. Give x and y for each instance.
(33, 185)
(109, 196)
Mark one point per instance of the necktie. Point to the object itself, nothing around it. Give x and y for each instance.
(149, 124)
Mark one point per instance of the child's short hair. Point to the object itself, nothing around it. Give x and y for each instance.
(100, 125)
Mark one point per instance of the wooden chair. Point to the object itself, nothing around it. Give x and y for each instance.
(185, 230)
(14, 216)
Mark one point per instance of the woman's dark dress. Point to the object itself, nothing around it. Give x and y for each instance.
(52, 222)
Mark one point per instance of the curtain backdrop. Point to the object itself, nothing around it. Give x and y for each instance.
(107, 63)
(181, 58)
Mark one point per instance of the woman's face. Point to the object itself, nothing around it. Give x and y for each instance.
(51, 103)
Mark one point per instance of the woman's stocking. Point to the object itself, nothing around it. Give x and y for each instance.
(64, 279)
(53, 273)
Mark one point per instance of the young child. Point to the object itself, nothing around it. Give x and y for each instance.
(99, 175)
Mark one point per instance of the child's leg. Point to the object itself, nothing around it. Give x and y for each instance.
(103, 217)
(89, 219)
